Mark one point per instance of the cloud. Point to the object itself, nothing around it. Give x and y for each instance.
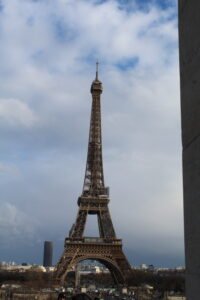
(48, 53)
(14, 112)
(15, 225)
(8, 170)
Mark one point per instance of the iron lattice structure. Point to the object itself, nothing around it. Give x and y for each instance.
(94, 200)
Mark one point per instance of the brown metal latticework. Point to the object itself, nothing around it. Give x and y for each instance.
(94, 200)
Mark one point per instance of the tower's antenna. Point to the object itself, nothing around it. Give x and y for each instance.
(97, 67)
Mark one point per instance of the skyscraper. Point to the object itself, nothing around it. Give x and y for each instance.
(48, 254)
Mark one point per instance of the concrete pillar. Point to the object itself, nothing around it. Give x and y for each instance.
(189, 39)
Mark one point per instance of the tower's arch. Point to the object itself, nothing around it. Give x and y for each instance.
(111, 265)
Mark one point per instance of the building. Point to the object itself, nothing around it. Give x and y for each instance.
(48, 254)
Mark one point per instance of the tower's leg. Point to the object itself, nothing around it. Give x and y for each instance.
(106, 224)
(80, 224)
(77, 276)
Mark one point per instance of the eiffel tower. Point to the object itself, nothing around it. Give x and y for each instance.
(106, 248)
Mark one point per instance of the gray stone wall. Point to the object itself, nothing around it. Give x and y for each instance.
(189, 39)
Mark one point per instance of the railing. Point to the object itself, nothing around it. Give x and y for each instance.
(99, 192)
(94, 240)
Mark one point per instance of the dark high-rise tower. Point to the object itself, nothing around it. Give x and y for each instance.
(48, 254)
(94, 200)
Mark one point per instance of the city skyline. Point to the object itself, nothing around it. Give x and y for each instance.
(48, 54)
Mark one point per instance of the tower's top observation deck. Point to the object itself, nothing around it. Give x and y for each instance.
(96, 86)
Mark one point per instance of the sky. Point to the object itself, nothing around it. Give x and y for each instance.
(48, 51)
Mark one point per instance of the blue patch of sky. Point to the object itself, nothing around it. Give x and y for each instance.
(91, 58)
(127, 64)
(131, 5)
(99, 1)
(164, 4)
(63, 32)
(154, 24)
(36, 1)
(1, 6)
(30, 21)
(38, 55)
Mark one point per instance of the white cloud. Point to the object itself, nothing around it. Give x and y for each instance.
(15, 226)
(14, 112)
(8, 169)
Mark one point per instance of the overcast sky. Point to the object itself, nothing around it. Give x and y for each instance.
(48, 51)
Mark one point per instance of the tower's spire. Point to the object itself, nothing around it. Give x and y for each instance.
(94, 177)
(97, 69)
(96, 86)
